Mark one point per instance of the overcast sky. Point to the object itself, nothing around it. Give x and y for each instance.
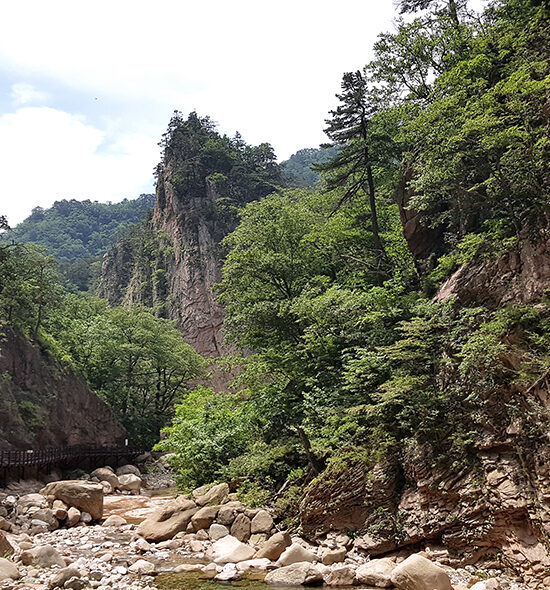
(87, 88)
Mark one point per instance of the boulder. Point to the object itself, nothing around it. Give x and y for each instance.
(107, 487)
(228, 573)
(31, 501)
(8, 570)
(130, 483)
(86, 496)
(257, 539)
(215, 495)
(142, 566)
(231, 550)
(296, 554)
(254, 564)
(48, 516)
(5, 525)
(376, 572)
(128, 470)
(217, 531)
(167, 521)
(340, 576)
(73, 516)
(296, 574)
(6, 548)
(419, 573)
(226, 515)
(261, 523)
(60, 513)
(240, 528)
(64, 575)
(42, 556)
(274, 546)
(114, 520)
(204, 517)
(331, 556)
(106, 474)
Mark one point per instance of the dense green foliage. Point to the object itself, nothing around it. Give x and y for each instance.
(298, 172)
(348, 357)
(78, 233)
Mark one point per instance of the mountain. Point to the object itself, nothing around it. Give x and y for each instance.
(297, 170)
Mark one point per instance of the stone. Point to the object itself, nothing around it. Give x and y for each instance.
(142, 545)
(190, 567)
(331, 556)
(419, 573)
(106, 474)
(85, 496)
(240, 528)
(167, 521)
(60, 513)
(231, 550)
(42, 556)
(6, 548)
(376, 572)
(8, 570)
(296, 574)
(204, 517)
(217, 531)
(128, 470)
(254, 564)
(257, 539)
(142, 566)
(46, 515)
(296, 554)
(340, 576)
(130, 483)
(491, 584)
(73, 516)
(215, 495)
(31, 500)
(114, 520)
(64, 575)
(210, 570)
(261, 523)
(85, 517)
(202, 535)
(75, 584)
(228, 573)
(5, 525)
(226, 515)
(275, 546)
(107, 487)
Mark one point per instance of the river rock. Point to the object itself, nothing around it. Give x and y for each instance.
(296, 554)
(42, 556)
(86, 496)
(240, 528)
(228, 573)
(215, 495)
(107, 487)
(217, 531)
(226, 515)
(204, 517)
(31, 501)
(6, 548)
(254, 564)
(59, 579)
(376, 572)
(340, 576)
(142, 566)
(5, 525)
(491, 584)
(73, 516)
(419, 573)
(106, 474)
(262, 522)
(331, 556)
(296, 574)
(167, 521)
(275, 546)
(46, 515)
(231, 550)
(8, 570)
(130, 483)
(114, 520)
(128, 470)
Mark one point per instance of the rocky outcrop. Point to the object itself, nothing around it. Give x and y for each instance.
(44, 404)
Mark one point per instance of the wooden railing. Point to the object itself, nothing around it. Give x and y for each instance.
(48, 457)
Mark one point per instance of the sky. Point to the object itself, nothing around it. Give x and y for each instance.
(87, 88)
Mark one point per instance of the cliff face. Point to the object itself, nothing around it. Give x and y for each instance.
(44, 404)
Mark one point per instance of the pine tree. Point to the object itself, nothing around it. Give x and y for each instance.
(452, 7)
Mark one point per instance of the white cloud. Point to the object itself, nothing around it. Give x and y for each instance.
(23, 93)
(48, 154)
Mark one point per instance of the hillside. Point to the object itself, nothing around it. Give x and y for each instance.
(298, 171)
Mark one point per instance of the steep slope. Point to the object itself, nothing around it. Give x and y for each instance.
(44, 404)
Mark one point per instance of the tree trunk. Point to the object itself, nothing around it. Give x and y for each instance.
(454, 13)
(380, 252)
(316, 465)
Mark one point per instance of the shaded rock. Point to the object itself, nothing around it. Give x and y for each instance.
(106, 474)
(376, 572)
(46, 515)
(331, 556)
(240, 528)
(257, 539)
(142, 566)
(107, 487)
(419, 573)
(341, 576)
(130, 483)
(42, 556)
(215, 495)
(296, 574)
(226, 515)
(31, 500)
(87, 497)
(296, 554)
(8, 570)
(85, 517)
(75, 584)
(73, 516)
(5, 525)
(275, 546)
(60, 513)
(217, 531)
(262, 522)
(128, 470)
(204, 517)
(231, 550)
(114, 520)
(6, 548)
(59, 579)
(169, 520)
